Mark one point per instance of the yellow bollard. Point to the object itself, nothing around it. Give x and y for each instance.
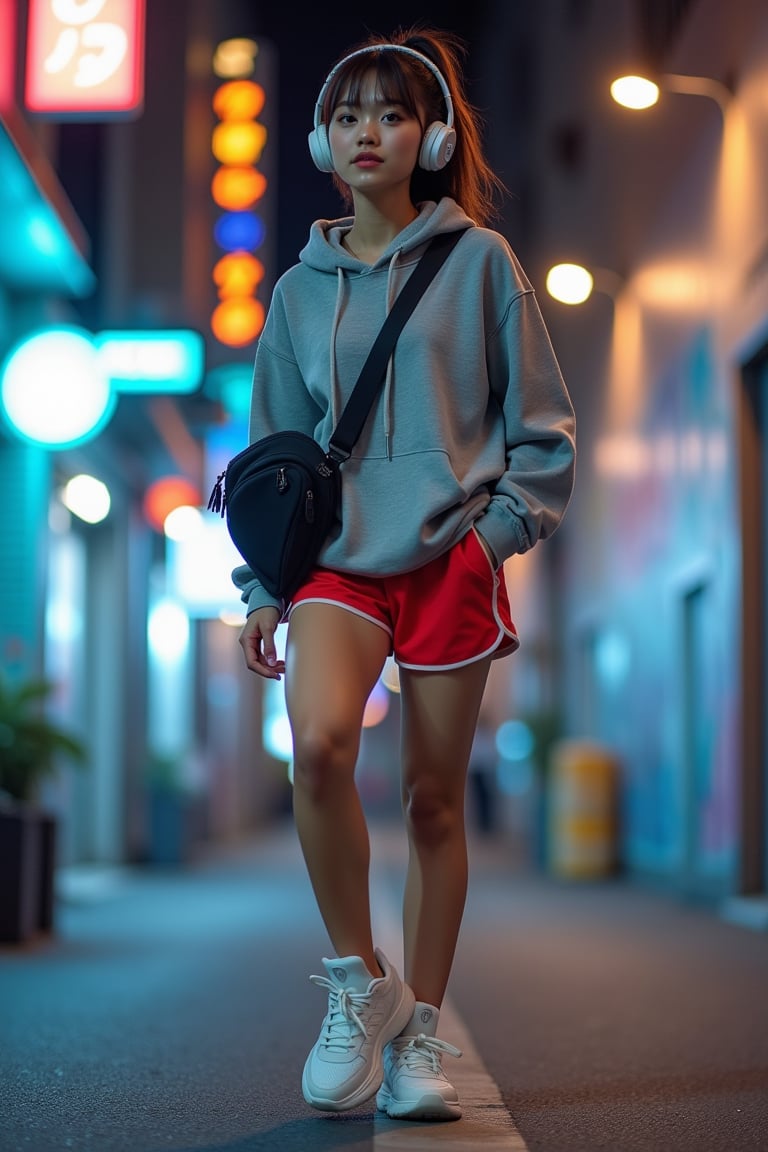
(583, 824)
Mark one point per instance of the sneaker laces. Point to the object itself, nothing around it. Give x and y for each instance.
(422, 1053)
(342, 1021)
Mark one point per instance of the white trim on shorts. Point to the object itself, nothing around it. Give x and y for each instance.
(340, 604)
(433, 667)
(488, 651)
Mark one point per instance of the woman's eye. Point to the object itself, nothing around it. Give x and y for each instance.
(391, 117)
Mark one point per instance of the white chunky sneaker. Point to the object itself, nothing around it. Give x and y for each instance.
(344, 1068)
(414, 1086)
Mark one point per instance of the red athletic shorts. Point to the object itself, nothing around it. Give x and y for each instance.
(450, 612)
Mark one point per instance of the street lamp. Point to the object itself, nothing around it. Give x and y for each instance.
(638, 92)
(573, 283)
(570, 283)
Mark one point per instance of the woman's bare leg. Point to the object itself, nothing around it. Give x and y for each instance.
(439, 714)
(333, 660)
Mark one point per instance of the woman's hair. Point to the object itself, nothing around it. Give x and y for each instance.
(467, 177)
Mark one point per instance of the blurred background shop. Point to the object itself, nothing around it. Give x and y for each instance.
(154, 182)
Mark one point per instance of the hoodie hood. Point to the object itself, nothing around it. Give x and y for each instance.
(325, 253)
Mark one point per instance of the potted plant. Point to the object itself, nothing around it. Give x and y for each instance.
(30, 744)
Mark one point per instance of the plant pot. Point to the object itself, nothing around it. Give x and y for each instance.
(27, 866)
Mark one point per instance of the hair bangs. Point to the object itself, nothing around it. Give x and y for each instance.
(394, 82)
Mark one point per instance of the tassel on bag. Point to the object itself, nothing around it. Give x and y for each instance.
(218, 499)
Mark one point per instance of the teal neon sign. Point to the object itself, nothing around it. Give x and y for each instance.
(164, 361)
(59, 386)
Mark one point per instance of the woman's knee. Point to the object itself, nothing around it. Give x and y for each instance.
(324, 758)
(433, 813)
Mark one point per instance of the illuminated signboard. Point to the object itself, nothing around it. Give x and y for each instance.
(85, 58)
(165, 361)
(59, 386)
(7, 54)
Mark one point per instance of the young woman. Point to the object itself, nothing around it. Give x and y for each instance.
(467, 458)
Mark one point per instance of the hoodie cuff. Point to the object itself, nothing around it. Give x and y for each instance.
(503, 532)
(260, 598)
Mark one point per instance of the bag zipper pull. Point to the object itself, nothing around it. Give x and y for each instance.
(282, 483)
(218, 498)
(309, 507)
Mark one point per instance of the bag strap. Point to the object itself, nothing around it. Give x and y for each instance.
(352, 419)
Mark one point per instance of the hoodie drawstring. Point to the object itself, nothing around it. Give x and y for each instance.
(334, 326)
(390, 363)
(388, 379)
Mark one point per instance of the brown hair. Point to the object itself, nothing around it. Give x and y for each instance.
(467, 178)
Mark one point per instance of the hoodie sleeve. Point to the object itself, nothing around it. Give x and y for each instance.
(279, 402)
(530, 497)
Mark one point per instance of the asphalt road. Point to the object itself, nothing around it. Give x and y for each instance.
(172, 1010)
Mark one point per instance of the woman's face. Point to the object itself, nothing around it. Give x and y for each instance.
(375, 143)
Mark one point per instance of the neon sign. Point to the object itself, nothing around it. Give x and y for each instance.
(85, 58)
(59, 386)
(7, 54)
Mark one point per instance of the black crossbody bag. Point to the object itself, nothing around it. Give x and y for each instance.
(281, 494)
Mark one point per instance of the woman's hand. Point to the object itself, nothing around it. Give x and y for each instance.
(257, 640)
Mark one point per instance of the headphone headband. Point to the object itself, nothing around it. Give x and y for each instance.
(387, 48)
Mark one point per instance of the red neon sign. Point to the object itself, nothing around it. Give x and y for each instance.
(85, 58)
(7, 54)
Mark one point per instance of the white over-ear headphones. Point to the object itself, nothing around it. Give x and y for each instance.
(439, 139)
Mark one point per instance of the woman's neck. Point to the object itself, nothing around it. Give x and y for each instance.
(373, 230)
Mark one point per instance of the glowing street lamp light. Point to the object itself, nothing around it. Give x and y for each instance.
(573, 283)
(570, 283)
(635, 92)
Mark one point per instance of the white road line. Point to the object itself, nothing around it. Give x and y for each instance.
(486, 1122)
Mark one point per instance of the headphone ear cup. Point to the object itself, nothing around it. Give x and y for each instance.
(437, 146)
(320, 149)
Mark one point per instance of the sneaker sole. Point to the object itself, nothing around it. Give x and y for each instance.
(372, 1083)
(430, 1106)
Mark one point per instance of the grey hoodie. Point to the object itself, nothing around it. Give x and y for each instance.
(474, 424)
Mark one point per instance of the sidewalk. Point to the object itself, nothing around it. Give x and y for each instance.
(173, 1011)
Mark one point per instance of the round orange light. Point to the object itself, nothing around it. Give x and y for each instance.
(238, 188)
(237, 321)
(238, 142)
(237, 274)
(165, 495)
(238, 100)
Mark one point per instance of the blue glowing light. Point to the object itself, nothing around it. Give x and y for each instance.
(514, 740)
(239, 231)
